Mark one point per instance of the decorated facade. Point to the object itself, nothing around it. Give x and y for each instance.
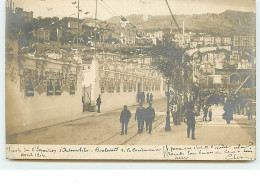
(40, 88)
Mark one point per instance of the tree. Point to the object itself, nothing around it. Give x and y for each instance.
(173, 63)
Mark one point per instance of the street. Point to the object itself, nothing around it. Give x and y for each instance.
(104, 129)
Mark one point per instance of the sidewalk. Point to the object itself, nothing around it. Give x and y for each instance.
(206, 133)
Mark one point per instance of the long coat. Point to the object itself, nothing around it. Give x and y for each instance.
(125, 116)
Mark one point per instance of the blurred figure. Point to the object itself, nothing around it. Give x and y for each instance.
(151, 98)
(147, 98)
(205, 111)
(174, 114)
(98, 103)
(124, 119)
(149, 117)
(139, 117)
(210, 114)
(190, 117)
(228, 115)
(249, 111)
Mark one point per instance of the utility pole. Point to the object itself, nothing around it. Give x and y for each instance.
(96, 29)
(120, 38)
(78, 29)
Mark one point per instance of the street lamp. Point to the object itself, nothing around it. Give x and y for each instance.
(167, 125)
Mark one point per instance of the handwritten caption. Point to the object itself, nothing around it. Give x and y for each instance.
(147, 152)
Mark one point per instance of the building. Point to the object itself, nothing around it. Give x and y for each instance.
(120, 82)
(17, 20)
(40, 89)
(26, 17)
(242, 42)
(209, 40)
(226, 40)
(42, 35)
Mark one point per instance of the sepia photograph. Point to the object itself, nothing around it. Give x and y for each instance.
(130, 80)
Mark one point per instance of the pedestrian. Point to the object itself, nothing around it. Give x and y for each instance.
(149, 117)
(249, 111)
(174, 114)
(190, 117)
(147, 98)
(98, 103)
(151, 98)
(139, 117)
(210, 114)
(205, 111)
(228, 114)
(143, 97)
(124, 119)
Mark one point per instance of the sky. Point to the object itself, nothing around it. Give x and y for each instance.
(109, 8)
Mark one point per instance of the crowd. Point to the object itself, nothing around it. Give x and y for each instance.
(185, 111)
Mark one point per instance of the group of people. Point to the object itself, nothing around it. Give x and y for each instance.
(149, 97)
(184, 111)
(142, 115)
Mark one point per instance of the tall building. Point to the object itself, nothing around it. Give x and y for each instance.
(17, 20)
(241, 42)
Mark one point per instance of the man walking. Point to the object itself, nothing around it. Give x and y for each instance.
(190, 117)
(147, 98)
(98, 103)
(124, 119)
(205, 111)
(151, 98)
(149, 117)
(139, 116)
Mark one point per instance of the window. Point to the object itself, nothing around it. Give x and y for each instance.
(111, 88)
(118, 87)
(130, 87)
(124, 87)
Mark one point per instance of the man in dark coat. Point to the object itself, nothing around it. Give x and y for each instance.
(190, 117)
(139, 117)
(143, 97)
(149, 117)
(229, 110)
(151, 98)
(205, 111)
(124, 119)
(98, 103)
(147, 98)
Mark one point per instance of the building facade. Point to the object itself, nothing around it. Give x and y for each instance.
(120, 82)
(40, 89)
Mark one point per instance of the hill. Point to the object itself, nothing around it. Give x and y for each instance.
(229, 22)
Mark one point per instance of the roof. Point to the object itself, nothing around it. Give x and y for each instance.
(123, 19)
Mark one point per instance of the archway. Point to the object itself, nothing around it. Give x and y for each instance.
(234, 78)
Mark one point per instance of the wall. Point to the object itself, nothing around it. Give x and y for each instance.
(22, 110)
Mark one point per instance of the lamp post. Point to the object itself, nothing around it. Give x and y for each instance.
(167, 125)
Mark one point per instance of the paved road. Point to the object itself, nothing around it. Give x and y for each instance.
(101, 128)
(104, 129)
